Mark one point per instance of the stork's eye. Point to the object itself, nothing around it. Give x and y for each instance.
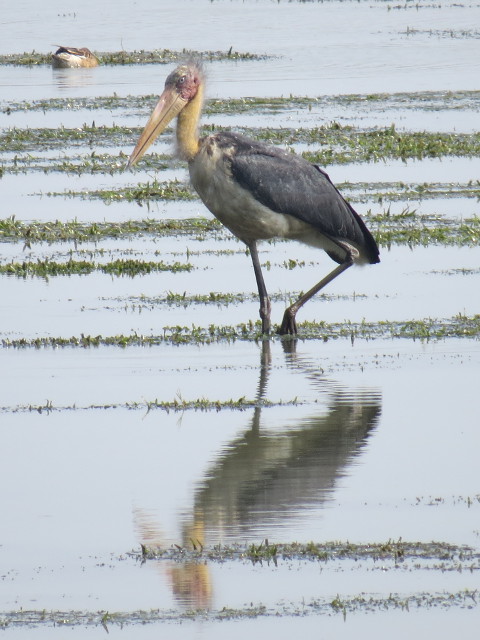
(182, 79)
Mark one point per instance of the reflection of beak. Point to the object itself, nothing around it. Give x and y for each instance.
(169, 105)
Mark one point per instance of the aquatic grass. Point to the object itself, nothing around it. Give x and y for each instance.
(417, 100)
(397, 552)
(388, 143)
(429, 329)
(418, 230)
(12, 230)
(48, 268)
(339, 144)
(176, 405)
(407, 192)
(17, 139)
(389, 556)
(443, 33)
(406, 228)
(178, 190)
(156, 56)
(219, 299)
(465, 599)
(90, 163)
(142, 192)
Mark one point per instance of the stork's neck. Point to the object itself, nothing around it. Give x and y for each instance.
(187, 127)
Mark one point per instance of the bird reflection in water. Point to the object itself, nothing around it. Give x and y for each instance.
(265, 477)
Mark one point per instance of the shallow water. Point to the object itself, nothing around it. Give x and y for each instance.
(354, 461)
(365, 441)
(329, 47)
(429, 282)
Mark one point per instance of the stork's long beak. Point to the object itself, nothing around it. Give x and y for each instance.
(168, 106)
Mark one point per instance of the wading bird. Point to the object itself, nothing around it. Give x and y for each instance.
(69, 57)
(258, 191)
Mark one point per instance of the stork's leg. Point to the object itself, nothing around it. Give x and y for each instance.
(262, 290)
(289, 324)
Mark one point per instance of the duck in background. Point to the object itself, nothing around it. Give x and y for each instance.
(72, 58)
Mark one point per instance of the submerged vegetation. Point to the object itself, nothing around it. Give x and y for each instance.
(157, 56)
(391, 556)
(426, 101)
(154, 190)
(459, 326)
(75, 231)
(407, 228)
(24, 150)
(28, 618)
(45, 268)
(178, 404)
(449, 557)
(83, 167)
(338, 144)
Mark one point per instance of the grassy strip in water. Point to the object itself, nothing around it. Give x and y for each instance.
(424, 100)
(414, 556)
(47, 268)
(365, 603)
(340, 144)
(157, 56)
(459, 326)
(452, 557)
(402, 229)
(388, 143)
(177, 190)
(390, 231)
(84, 164)
(74, 231)
(142, 192)
(47, 138)
(175, 405)
(219, 299)
(401, 191)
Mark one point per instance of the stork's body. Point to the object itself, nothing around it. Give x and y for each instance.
(259, 191)
(70, 57)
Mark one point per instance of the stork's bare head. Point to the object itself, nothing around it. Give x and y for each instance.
(181, 87)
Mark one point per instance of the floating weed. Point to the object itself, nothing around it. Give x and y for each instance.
(262, 552)
(397, 551)
(48, 268)
(385, 556)
(28, 618)
(178, 404)
(403, 229)
(338, 144)
(74, 231)
(388, 143)
(422, 100)
(155, 190)
(398, 191)
(218, 299)
(31, 139)
(459, 326)
(157, 56)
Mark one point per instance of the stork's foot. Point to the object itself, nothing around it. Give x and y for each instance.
(289, 323)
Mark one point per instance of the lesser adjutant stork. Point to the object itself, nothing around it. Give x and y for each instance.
(71, 58)
(259, 191)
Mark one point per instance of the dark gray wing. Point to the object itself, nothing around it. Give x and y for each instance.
(287, 183)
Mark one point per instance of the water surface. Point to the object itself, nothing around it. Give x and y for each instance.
(361, 441)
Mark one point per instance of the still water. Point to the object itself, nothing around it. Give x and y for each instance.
(316, 48)
(365, 442)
